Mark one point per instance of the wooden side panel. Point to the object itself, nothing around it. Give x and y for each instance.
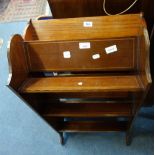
(18, 70)
(29, 32)
(144, 63)
(49, 56)
(74, 29)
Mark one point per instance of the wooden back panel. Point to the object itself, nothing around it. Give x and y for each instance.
(49, 56)
(74, 29)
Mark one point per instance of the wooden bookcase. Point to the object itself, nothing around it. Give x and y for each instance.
(88, 74)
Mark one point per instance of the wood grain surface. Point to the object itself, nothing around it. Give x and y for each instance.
(73, 29)
(49, 56)
(81, 84)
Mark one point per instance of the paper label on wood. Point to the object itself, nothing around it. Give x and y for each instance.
(96, 56)
(67, 54)
(85, 45)
(80, 83)
(88, 24)
(111, 49)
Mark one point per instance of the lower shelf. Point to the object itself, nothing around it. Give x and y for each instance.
(87, 110)
(92, 126)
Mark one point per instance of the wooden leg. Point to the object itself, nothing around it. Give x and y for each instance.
(61, 138)
(137, 102)
(128, 138)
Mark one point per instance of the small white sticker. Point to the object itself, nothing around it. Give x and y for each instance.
(80, 83)
(96, 56)
(67, 54)
(55, 73)
(85, 45)
(111, 49)
(88, 24)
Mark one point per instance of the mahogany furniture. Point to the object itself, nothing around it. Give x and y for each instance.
(85, 8)
(88, 74)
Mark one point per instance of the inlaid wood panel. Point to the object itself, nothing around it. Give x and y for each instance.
(50, 56)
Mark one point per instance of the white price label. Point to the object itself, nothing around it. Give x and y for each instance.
(111, 49)
(96, 56)
(67, 54)
(88, 24)
(80, 83)
(85, 45)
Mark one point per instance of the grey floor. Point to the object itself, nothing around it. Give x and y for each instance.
(23, 132)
